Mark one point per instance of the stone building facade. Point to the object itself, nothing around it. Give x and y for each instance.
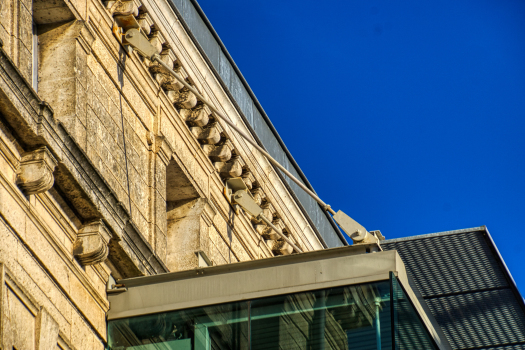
(110, 169)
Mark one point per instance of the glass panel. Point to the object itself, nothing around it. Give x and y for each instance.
(222, 326)
(353, 317)
(409, 331)
(356, 317)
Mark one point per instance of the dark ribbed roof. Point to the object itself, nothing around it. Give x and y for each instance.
(467, 287)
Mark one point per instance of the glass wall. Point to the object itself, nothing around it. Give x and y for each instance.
(409, 331)
(352, 317)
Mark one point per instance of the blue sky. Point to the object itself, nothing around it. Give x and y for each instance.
(409, 116)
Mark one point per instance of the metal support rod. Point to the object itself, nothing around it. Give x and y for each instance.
(245, 136)
(377, 322)
(283, 236)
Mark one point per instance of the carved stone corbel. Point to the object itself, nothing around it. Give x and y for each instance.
(91, 245)
(122, 8)
(157, 39)
(258, 195)
(247, 177)
(35, 174)
(210, 135)
(281, 248)
(219, 153)
(145, 22)
(166, 56)
(183, 99)
(199, 116)
(233, 168)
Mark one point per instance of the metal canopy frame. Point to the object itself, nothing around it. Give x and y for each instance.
(316, 270)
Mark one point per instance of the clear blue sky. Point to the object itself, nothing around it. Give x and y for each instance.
(408, 115)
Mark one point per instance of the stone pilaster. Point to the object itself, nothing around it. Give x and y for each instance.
(64, 48)
(189, 222)
(163, 153)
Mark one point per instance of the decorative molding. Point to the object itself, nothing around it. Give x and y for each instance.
(35, 174)
(163, 149)
(85, 36)
(45, 326)
(46, 331)
(91, 246)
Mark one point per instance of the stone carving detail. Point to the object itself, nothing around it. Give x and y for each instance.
(247, 177)
(199, 116)
(145, 22)
(209, 135)
(215, 143)
(281, 248)
(35, 174)
(258, 195)
(91, 245)
(183, 98)
(219, 153)
(122, 8)
(230, 169)
(157, 39)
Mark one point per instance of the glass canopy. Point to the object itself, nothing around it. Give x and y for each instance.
(367, 316)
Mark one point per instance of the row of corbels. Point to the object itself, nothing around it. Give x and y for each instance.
(198, 117)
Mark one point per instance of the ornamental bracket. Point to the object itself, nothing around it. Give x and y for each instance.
(35, 174)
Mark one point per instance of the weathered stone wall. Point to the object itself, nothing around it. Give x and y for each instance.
(120, 171)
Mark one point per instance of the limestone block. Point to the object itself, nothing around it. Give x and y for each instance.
(35, 174)
(18, 321)
(160, 243)
(25, 62)
(189, 224)
(25, 26)
(91, 245)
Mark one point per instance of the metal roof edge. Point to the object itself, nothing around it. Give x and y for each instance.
(250, 265)
(506, 270)
(437, 234)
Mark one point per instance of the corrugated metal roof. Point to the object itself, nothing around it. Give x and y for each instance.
(467, 287)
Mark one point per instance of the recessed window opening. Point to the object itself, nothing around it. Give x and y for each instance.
(34, 75)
